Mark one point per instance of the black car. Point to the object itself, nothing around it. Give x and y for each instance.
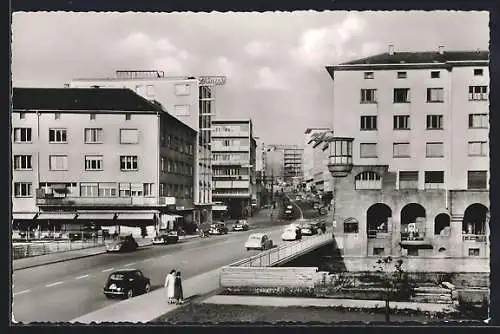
(123, 244)
(126, 283)
(171, 237)
(218, 228)
(241, 225)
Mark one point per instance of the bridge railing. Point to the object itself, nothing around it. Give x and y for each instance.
(275, 255)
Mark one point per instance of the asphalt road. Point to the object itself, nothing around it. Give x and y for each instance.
(66, 290)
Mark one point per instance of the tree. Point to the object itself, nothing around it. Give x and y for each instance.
(394, 281)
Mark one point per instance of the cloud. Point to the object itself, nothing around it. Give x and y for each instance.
(322, 45)
(259, 48)
(371, 48)
(169, 64)
(269, 80)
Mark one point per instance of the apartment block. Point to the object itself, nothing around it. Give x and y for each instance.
(316, 175)
(285, 162)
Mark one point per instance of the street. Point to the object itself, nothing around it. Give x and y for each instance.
(66, 290)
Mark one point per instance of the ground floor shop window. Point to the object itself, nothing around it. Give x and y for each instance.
(379, 251)
(473, 251)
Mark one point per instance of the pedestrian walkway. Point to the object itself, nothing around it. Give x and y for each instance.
(325, 302)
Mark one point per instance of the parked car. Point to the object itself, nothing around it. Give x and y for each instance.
(259, 241)
(241, 225)
(290, 234)
(123, 244)
(171, 237)
(126, 283)
(218, 228)
(308, 229)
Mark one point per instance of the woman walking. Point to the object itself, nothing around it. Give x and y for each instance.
(170, 286)
(178, 295)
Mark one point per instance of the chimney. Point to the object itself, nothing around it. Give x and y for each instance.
(391, 49)
(441, 49)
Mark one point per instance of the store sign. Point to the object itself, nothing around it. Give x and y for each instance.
(212, 80)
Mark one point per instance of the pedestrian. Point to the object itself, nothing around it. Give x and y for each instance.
(178, 295)
(169, 286)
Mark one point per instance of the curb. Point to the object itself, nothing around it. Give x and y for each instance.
(57, 261)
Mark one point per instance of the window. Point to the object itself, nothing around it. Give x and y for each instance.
(22, 135)
(163, 189)
(57, 115)
(128, 117)
(182, 89)
(402, 75)
(92, 116)
(351, 225)
(129, 136)
(22, 162)
(478, 121)
(163, 164)
(408, 180)
(58, 162)
(413, 251)
(93, 162)
(434, 179)
(435, 94)
(93, 135)
(368, 96)
(378, 251)
(477, 180)
(473, 251)
(478, 93)
(182, 110)
(107, 189)
(478, 148)
(401, 150)
(368, 180)
(435, 74)
(226, 142)
(57, 135)
(124, 189)
(401, 95)
(478, 71)
(89, 189)
(22, 115)
(22, 189)
(148, 189)
(368, 123)
(434, 150)
(368, 150)
(434, 122)
(369, 75)
(401, 122)
(128, 162)
(150, 90)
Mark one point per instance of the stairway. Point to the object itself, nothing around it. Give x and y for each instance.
(432, 294)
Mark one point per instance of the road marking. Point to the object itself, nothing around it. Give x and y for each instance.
(105, 270)
(53, 284)
(21, 292)
(129, 264)
(147, 260)
(83, 276)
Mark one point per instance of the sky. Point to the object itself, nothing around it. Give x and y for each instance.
(274, 61)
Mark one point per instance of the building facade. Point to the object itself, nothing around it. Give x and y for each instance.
(419, 185)
(106, 156)
(234, 163)
(189, 99)
(315, 168)
(285, 163)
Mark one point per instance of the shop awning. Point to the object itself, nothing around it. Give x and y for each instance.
(56, 215)
(96, 216)
(136, 216)
(24, 215)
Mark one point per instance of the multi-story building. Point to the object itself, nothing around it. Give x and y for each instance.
(419, 182)
(234, 159)
(189, 99)
(315, 162)
(103, 155)
(285, 162)
(260, 181)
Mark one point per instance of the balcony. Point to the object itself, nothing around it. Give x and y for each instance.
(229, 162)
(378, 234)
(232, 184)
(231, 194)
(230, 134)
(105, 201)
(474, 237)
(415, 239)
(220, 148)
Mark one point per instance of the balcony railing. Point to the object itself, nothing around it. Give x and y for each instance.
(105, 201)
(229, 162)
(230, 134)
(220, 148)
(474, 237)
(378, 234)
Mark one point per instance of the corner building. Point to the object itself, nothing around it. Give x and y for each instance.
(419, 186)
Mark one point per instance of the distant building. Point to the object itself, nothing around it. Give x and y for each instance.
(234, 163)
(420, 183)
(106, 156)
(315, 164)
(285, 163)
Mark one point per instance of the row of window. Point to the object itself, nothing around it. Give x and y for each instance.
(432, 149)
(228, 129)
(92, 116)
(91, 135)
(380, 251)
(402, 95)
(175, 167)
(433, 122)
(433, 74)
(149, 90)
(230, 157)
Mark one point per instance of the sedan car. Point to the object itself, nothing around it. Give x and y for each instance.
(218, 228)
(171, 237)
(308, 229)
(259, 241)
(241, 225)
(290, 234)
(126, 283)
(123, 244)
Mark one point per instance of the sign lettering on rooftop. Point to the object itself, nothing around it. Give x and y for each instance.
(212, 80)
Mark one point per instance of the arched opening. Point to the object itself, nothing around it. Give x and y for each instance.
(442, 224)
(368, 180)
(377, 219)
(351, 225)
(474, 221)
(413, 219)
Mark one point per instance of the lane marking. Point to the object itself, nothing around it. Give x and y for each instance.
(129, 264)
(53, 284)
(105, 270)
(147, 260)
(83, 276)
(21, 292)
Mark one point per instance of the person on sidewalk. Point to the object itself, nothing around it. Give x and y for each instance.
(170, 286)
(178, 295)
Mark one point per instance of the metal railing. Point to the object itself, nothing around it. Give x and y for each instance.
(275, 255)
(474, 237)
(30, 249)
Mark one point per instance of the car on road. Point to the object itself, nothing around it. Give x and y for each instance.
(308, 229)
(171, 237)
(241, 225)
(218, 228)
(126, 283)
(288, 209)
(259, 241)
(290, 234)
(123, 244)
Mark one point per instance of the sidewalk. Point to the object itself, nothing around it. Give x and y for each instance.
(325, 302)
